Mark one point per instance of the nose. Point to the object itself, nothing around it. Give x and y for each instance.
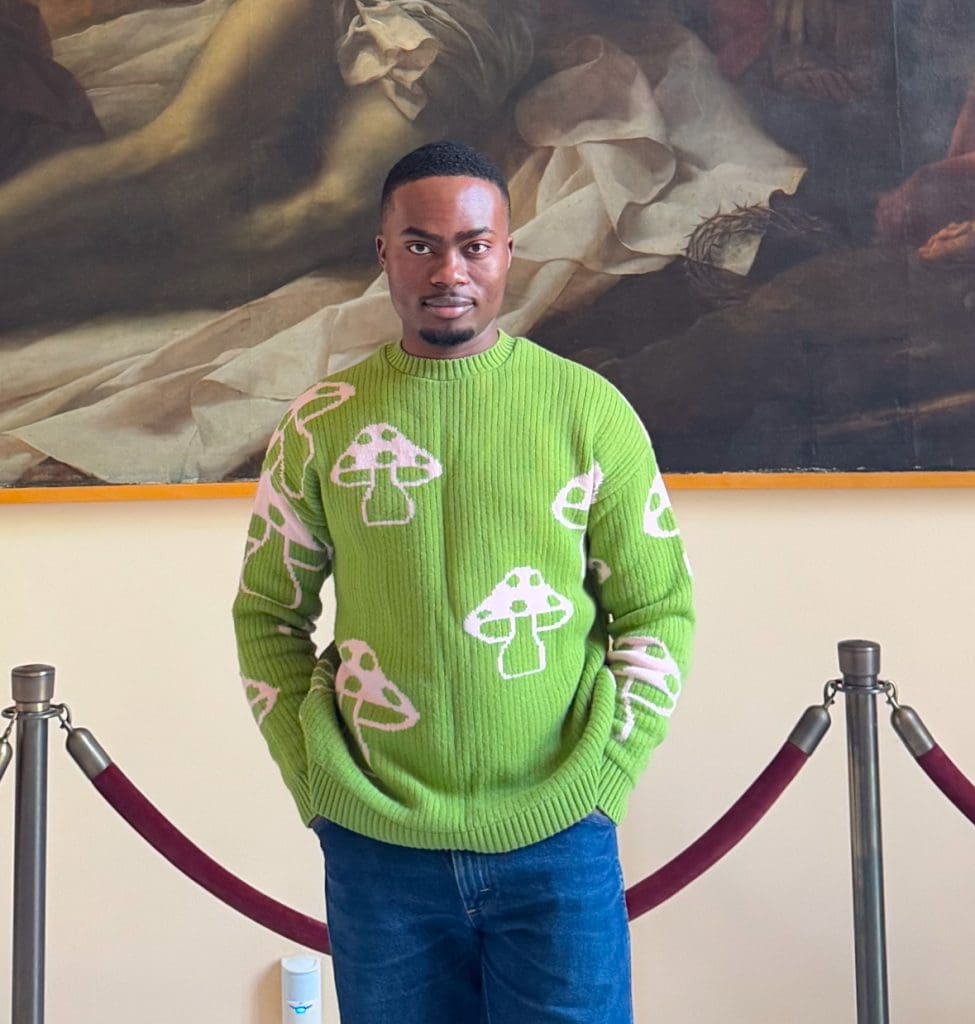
(449, 270)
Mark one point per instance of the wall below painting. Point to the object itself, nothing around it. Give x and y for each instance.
(131, 603)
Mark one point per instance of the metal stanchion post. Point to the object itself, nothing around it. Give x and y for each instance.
(860, 665)
(6, 750)
(33, 688)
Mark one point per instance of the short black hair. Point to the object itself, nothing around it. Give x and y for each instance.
(443, 159)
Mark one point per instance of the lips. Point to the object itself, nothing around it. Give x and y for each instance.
(446, 301)
(448, 307)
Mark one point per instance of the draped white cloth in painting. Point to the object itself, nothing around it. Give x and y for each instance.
(626, 154)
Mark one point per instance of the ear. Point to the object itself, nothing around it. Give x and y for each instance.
(381, 251)
(511, 249)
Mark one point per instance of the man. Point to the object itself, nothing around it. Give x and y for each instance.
(513, 623)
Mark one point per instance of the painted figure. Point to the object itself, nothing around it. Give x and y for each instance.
(934, 208)
(190, 206)
(238, 173)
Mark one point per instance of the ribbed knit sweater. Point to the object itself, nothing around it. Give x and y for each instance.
(513, 600)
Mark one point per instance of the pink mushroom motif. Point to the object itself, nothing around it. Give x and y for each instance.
(300, 551)
(644, 662)
(273, 511)
(513, 615)
(384, 462)
(572, 504)
(318, 400)
(367, 699)
(261, 697)
(658, 517)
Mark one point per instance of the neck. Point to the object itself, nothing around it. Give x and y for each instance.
(416, 346)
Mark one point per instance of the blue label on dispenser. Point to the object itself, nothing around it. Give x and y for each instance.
(301, 1008)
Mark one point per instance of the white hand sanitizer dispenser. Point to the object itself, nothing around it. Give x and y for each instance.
(301, 990)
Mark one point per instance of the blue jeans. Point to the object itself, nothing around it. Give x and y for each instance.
(533, 936)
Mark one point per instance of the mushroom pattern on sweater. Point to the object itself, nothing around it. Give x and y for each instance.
(513, 610)
(572, 504)
(376, 702)
(384, 462)
(520, 607)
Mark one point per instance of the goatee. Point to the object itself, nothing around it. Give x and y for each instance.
(446, 338)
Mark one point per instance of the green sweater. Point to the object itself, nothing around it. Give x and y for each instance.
(513, 600)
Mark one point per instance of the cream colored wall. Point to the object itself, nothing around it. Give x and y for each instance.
(130, 602)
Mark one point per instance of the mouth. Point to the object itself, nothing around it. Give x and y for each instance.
(448, 307)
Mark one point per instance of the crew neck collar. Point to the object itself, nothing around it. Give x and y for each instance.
(451, 368)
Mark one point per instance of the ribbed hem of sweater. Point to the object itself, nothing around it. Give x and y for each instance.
(559, 810)
(615, 787)
(452, 368)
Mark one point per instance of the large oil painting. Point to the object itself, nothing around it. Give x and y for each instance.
(756, 217)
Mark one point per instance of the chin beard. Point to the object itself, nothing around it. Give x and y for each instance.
(447, 338)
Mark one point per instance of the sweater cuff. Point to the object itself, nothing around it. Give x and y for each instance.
(614, 791)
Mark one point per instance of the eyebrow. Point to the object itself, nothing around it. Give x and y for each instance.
(461, 236)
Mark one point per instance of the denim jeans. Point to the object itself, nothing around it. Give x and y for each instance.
(533, 936)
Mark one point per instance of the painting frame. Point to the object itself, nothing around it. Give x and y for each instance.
(818, 481)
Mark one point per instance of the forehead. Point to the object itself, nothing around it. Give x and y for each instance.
(458, 202)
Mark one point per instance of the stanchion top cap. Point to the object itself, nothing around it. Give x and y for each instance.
(32, 684)
(859, 657)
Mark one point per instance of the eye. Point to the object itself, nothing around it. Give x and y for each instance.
(418, 248)
(478, 248)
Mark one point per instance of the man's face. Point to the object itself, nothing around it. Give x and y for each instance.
(446, 250)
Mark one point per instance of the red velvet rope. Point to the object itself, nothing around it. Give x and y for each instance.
(948, 777)
(724, 834)
(195, 864)
(730, 829)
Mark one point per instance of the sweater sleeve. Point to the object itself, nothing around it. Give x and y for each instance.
(643, 583)
(287, 558)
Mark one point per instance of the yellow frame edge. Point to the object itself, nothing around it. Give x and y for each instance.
(675, 481)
